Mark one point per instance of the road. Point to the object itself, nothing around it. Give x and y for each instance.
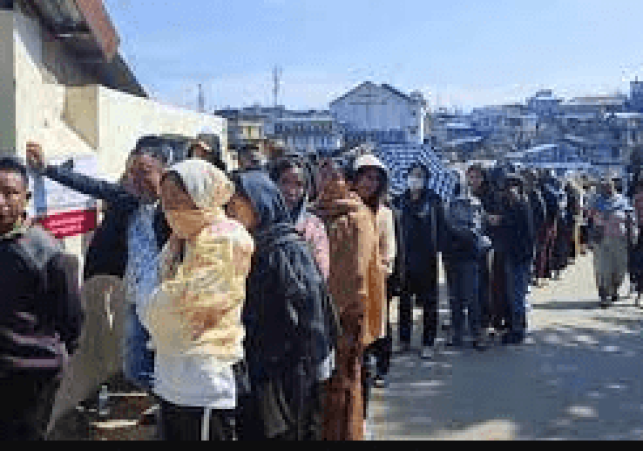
(576, 377)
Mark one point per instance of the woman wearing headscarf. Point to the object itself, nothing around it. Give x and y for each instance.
(355, 282)
(295, 182)
(289, 329)
(194, 318)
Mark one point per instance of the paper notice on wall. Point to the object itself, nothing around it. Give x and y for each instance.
(50, 197)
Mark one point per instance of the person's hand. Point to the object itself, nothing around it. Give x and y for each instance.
(35, 156)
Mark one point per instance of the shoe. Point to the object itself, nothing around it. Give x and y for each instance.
(427, 353)
(604, 303)
(510, 338)
(614, 299)
(380, 382)
(404, 348)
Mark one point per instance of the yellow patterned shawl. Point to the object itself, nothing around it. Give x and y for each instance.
(197, 309)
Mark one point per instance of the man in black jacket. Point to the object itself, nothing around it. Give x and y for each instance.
(40, 312)
(128, 241)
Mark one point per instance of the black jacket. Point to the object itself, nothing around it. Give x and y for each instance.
(514, 237)
(422, 225)
(107, 253)
(285, 313)
(40, 306)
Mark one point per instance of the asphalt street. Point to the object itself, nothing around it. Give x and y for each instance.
(575, 377)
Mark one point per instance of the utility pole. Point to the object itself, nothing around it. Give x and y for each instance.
(276, 78)
(201, 99)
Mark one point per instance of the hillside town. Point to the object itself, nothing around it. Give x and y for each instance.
(379, 268)
(595, 133)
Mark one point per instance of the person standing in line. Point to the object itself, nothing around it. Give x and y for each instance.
(422, 222)
(353, 284)
(41, 314)
(513, 240)
(128, 241)
(292, 177)
(465, 246)
(194, 318)
(480, 188)
(613, 222)
(290, 331)
(371, 185)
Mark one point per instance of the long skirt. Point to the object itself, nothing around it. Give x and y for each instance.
(610, 265)
(343, 411)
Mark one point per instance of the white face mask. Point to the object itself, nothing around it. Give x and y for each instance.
(415, 183)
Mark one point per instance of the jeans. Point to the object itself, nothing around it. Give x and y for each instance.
(463, 285)
(517, 302)
(138, 359)
(425, 287)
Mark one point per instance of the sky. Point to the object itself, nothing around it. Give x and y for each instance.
(458, 53)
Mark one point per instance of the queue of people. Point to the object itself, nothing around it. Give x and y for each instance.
(259, 299)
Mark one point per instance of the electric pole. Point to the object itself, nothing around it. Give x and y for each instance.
(276, 78)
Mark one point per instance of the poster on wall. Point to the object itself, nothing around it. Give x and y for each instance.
(62, 211)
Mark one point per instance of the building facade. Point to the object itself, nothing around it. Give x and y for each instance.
(371, 109)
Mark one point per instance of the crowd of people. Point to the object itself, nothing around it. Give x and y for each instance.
(258, 300)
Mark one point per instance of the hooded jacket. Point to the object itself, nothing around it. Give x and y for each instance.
(463, 226)
(285, 313)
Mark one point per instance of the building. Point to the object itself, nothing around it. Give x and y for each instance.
(63, 83)
(380, 112)
(636, 96)
(307, 132)
(295, 131)
(544, 104)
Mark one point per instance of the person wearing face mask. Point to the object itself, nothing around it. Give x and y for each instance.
(422, 224)
(194, 317)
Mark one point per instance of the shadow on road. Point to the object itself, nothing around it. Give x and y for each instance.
(568, 381)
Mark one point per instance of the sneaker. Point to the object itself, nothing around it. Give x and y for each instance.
(404, 348)
(427, 353)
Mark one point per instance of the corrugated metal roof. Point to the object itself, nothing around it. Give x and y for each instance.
(83, 24)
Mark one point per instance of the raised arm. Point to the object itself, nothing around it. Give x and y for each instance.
(113, 193)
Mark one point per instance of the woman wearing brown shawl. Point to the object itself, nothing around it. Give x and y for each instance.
(353, 281)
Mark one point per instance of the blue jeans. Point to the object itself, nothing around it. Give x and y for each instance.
(463, 287)
(138, 359)
(520, 272)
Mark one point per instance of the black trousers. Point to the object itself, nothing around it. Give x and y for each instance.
(425, 287)
(271, 411)
(26, 406)
(185, 423)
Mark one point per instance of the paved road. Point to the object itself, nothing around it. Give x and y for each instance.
(576, 377)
